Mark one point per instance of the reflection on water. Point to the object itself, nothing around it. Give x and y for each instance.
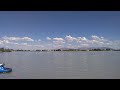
(33, 65)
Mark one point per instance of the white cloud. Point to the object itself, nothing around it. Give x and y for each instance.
(94, 41)
(85, 45)
(16, 43)
(17, 38)
(1, 42)
(39, 40)
(48, 38)
(49, 44)
(82, 38)
(68, 41)
(94, 37)
(58, 42)
(69, 44)
(57, 46)
(100, 41)
(6, 41)
(24, 44)
(58, 39)
(27, 39)
(70, 38)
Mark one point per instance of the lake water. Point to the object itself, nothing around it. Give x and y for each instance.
(62, 65)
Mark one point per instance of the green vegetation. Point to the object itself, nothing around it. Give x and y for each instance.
(5, 50)
(21, 50)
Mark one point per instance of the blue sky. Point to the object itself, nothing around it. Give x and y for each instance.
(58, 24)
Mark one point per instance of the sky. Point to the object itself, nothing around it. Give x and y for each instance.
(58, 29)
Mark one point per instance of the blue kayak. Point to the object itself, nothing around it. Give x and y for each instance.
(4, 69)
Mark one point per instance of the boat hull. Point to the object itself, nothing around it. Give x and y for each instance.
(5, 70)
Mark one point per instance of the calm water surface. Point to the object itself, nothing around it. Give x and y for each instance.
(62, 65)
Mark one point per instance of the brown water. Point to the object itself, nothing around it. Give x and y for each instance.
(62, 65)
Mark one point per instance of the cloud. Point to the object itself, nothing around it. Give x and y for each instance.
(67, 41)
(85, 45)
(70, 38)
(1, 42)
(24, 44)
(16, 43)
(4, 42)
(58, 46)
(48, 38)
(82, 38)
(17, 38)
(39, 40)
(100, 41)
(94, 37)
(58, 42)
(69, 44)
(27, 39)
(58, 39)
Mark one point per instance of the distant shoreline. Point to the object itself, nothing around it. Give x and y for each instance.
(54, 51)
(60, 50)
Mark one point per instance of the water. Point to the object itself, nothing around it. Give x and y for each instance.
(62, 65)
